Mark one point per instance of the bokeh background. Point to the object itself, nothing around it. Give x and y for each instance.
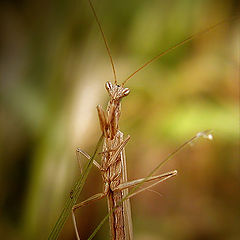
(53, 67)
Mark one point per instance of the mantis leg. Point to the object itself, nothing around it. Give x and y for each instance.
(80, 152)
(119, 150)
(160, 178)
(84, 203)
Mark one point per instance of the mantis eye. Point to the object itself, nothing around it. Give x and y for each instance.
(108, 86)
(126, 91)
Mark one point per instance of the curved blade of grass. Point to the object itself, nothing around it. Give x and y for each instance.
(76, 190)
(204, 134)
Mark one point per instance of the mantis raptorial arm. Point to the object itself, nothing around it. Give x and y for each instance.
(119, 150)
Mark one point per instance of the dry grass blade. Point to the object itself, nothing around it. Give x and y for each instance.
(74, 195)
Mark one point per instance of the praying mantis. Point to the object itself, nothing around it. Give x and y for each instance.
(122, 206)
(113, 161)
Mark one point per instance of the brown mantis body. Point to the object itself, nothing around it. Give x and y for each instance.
(113, 167)
(113, 162)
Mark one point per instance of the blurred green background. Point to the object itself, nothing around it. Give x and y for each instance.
(53, 67)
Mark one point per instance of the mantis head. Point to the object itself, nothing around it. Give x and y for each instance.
(116, 92)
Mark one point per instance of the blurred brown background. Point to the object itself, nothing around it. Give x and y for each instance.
(53, 67)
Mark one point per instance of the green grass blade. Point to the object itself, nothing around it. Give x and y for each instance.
(71, 201)
(99, 226)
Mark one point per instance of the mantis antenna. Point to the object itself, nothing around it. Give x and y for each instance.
(105, 41)
(190, 38)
